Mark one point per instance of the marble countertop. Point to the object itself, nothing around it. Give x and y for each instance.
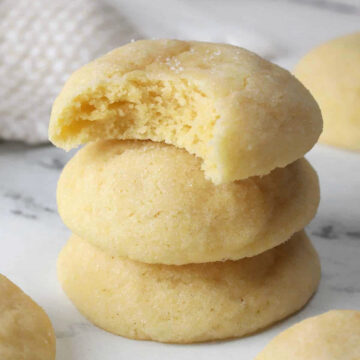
(32, 234)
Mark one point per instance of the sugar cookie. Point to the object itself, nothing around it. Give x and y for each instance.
(26, 332)
(188, 303)
(151, 202)
(242, 115)
(332, 74)
(334, 335)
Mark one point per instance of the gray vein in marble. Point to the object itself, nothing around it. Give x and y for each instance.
(54, 163)
(348, 289)
(353, 234)
(333, 232)
(23, 214)
(73, 330)
(326, 232)
(333, 261)
(26, 206)
(330, 5)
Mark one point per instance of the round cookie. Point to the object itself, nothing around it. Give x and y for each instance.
(334, 335)
(151, 202)
(188, 303)
(332, 74)
(26, 332)
(242, 115)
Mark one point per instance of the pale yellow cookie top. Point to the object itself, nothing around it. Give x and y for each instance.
(151, 202)
(26, 332)
(334, 335)
(241, 114)
(331, 72)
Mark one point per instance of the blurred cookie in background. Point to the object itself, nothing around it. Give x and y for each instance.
(334, 335)
(332, 74)
(26, 332)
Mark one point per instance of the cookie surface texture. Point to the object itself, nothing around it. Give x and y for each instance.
(242, 115)
(151, 202)
(334, 335)
(332, 74)
(26, 332)
(189, 303)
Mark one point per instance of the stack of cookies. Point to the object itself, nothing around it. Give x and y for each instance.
(188, 201)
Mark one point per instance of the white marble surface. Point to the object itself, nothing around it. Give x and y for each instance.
(31, 236)
(31, 233)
